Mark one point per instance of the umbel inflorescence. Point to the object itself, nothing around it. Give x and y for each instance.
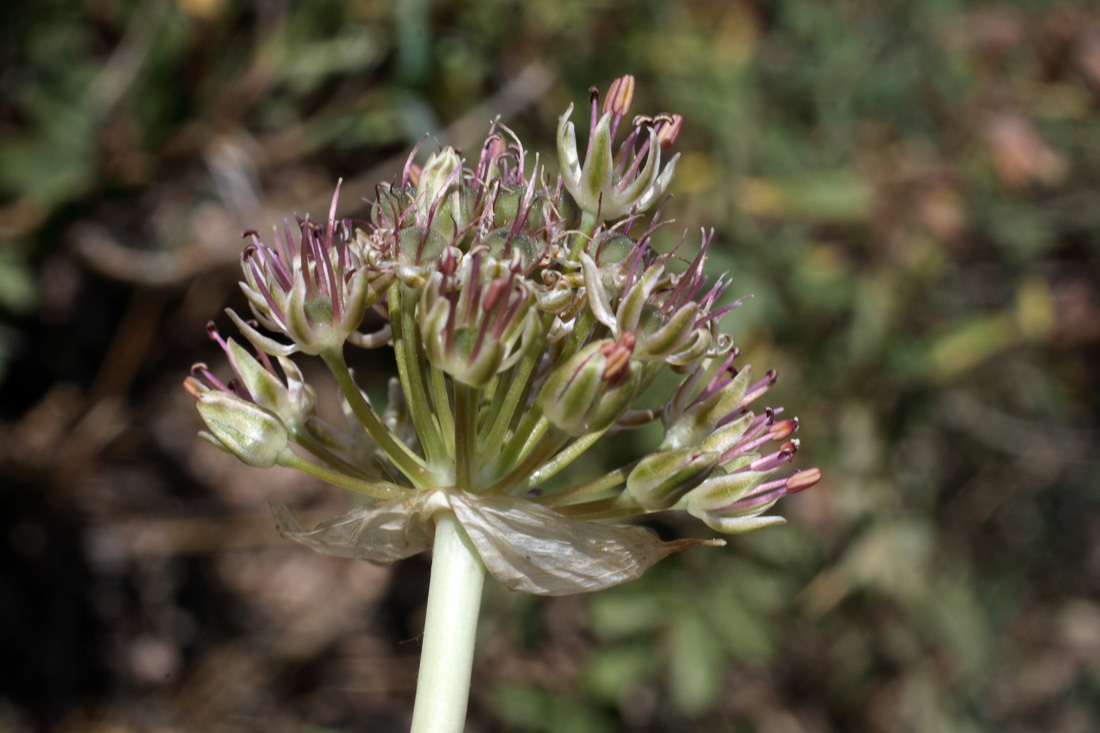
(527, 319)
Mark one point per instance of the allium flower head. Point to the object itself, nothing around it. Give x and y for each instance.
(315, 292)
(521, 338)
(610, 184)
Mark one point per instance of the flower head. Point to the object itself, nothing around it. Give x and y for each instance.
(610, 184)
(316, 293)
(473, 314)
(520, 341)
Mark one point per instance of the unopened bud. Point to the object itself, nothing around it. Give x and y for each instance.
(701, 419)
(670, 336)
(442, 187)
(507, 204)
(618, 355)
(721, 491)
(247, 430)
(590, 390)
(619, 96)
(659, 480)
(390, 205)
(442, 169)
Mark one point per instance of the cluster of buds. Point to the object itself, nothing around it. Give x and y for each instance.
(527, 320)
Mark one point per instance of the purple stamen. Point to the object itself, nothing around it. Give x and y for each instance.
(278, 261)
(635, 165)
(757, 442)
(201, 370)
(773, 461)
(754, 500)
(758, 424)
(271, 304)
(507, 310)
(341, 263)
(627, 146)
(213, 335)
(720, 379)
(409, 162)
(718, 314)
(236, 387)
(594, 97)
(770, 378)
(475, 291)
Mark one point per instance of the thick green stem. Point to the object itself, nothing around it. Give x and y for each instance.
(450, 628)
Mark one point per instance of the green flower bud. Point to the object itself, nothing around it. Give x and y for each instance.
(507, 204)
(502, 242)
(636, 301)
(416, 246)
(591, 390)
(294, 403)
(699, 420)
(725, 437)
(660, 479)
(614, 249)
(698, 345)
(470, 327)
(667, 336)
(248, 431)
(721, 491)
(441, 187)
(390, 203)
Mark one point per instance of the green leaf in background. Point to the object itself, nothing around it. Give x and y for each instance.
(840, 197)
(18, 287)
(543, 711)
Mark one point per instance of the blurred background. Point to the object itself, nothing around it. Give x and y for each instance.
(911, 190)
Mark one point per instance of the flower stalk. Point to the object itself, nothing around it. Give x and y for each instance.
(450, 629)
